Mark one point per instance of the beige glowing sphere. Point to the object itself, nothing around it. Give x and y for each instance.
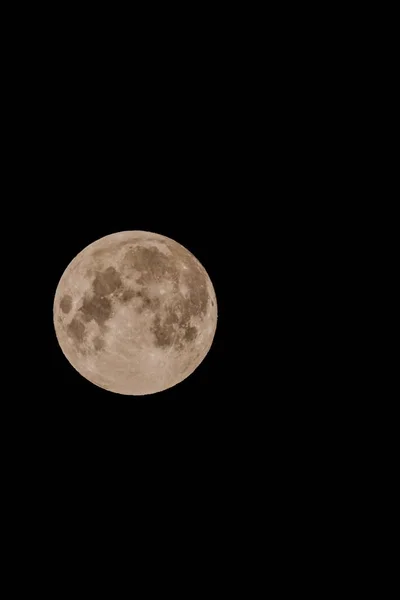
(135, 313)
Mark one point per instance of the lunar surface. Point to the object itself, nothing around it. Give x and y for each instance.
(135, 313)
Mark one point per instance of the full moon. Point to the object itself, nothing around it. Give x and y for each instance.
(135, 313)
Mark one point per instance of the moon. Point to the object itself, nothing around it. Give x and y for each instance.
(135, 313)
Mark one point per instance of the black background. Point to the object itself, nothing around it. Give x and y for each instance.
(204, 147)
(218, 144)
(216, 138)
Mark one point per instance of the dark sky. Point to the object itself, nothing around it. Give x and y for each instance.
(212, 147)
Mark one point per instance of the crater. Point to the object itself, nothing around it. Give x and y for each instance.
(66, 303)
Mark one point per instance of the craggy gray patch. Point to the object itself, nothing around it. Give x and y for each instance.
(98, 343)
(76, 330)
(190, 334)
(171, 318)
(127, 295)
(163, 333)
(155, 303)
(96, 308)
(198, 293)
(152, 264)
(195, 280)
(175, 328)
(66, 303)
(106, 282)
(146, 302)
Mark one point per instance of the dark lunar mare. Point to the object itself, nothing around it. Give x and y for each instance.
(174, 328)
(76, 329)
(96, 305)
(66, 304)
(106, 282)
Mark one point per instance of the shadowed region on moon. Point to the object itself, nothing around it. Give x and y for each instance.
(153, 303)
